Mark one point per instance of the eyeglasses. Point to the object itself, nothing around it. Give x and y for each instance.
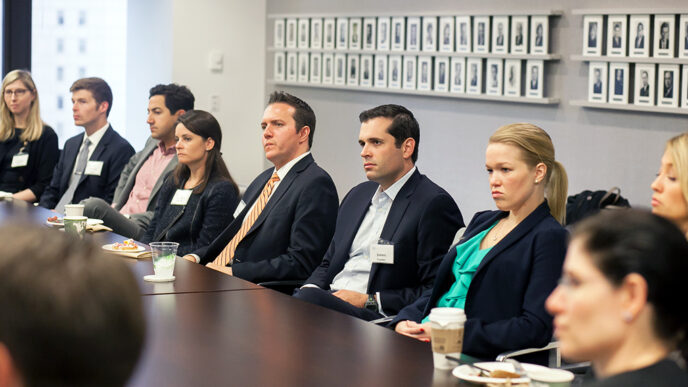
(17, 92)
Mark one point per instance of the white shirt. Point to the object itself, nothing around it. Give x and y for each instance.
(94, 139)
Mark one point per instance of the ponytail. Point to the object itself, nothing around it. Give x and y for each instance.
(556, 191)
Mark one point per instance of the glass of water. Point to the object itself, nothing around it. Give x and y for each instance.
(164, 254)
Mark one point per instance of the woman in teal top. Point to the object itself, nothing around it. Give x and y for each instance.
(508, 260)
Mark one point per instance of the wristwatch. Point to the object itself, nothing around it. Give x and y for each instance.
(371, 303)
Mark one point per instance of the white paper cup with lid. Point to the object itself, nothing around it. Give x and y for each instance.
(446, 335)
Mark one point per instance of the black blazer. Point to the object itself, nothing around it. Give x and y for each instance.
(36, 175)
(421, 224)
(290, 236)
(197, 223)
(505, 304)
(113, 150)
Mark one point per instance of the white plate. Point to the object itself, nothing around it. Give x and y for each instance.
(5, 195)
(60, 222)
(110, 247)
(465, 372)
(154, 278)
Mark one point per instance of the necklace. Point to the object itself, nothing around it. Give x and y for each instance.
(495, 234)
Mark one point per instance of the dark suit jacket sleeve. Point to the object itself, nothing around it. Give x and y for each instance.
(414, 311)
(48, 154)
(120, 156)
(534, 325)
(436, 230)
(311, 232)
(51, 194)
(218, 202)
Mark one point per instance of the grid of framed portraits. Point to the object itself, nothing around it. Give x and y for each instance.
(428, 53)
(644, 84)
(636, 35)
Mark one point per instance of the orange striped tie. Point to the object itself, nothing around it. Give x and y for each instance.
(227, 254)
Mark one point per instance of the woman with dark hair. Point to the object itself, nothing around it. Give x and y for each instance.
(197, 198)
(618, 303)
(28, 147)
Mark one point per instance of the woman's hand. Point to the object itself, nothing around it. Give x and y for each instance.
(413, 329)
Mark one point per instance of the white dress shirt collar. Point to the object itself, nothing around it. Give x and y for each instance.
(282, 172)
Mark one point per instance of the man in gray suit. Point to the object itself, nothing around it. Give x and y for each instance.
(135, 196)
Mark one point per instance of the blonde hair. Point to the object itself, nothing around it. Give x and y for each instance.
(34, 124)
(537, 147)
(678, 150)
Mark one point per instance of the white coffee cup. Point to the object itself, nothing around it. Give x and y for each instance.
(74, 210)
(446, 335)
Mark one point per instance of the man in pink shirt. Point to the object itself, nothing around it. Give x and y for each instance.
(135, 197)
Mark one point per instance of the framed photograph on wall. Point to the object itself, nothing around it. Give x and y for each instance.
(446, 39)
(616, 35)
(500, 34)
(409, 76)
(494, 76)
(280, 66)
(534, 78)
(342, 33)
(592, 35)
(304, 34)
(441, 74)
(512, 77)
(644, 84)
(638, 36)
(278, 37)
(519, 34)
(292, 67)
(303, 67)
(340, 69)
(683, 37)
(413, 34)
(667, 85)
(352, 70)
(684, 87)
(474, 76)
(429, 33)
(316, 33)
(291, 33)
(383, 33)
(328, 27)
(398, 33)
(664, 37)
(380, 71)
(597, 82)
(618, 83)
(366, 77)
(395, 74)
(369, 33)
(458, 75)
(316, 67)
(481, 34)
(463, 33)
(355, 33)
(539, 35)
(328, 68)
(424, 73)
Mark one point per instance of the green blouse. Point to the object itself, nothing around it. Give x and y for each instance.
(468, 258)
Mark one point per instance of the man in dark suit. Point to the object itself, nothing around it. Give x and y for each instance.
(618, 82)
(597, 86)
(286, 219)
(90, 163)
(136, 194)
(685, 41)
(539, 37)
(518, 40)
(592, 34)
(390, 230)
(645, 87)
(534, 78)
(616, 37)
(640, 36)
(664, 36)
(500, 35)
(668, 84)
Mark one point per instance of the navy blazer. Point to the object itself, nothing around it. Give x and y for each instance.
(505, 303)
(197, 223)
(421, 224)
(291, 234)
(113, 150)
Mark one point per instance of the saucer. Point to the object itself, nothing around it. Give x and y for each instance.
(154, 278)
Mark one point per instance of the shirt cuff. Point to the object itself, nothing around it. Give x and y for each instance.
(379, 304)
(196, 257)
(309, 286)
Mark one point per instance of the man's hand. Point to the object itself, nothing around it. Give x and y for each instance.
(190, 258)
(354, 298)
(224, 269)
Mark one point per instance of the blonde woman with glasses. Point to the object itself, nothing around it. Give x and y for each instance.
(28, 147)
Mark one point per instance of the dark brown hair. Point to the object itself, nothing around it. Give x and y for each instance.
(99, 88)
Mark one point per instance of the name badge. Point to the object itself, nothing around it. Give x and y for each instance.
(240, 207)
(181, 197)
(93, 168)
(382, 252)
(20, 160)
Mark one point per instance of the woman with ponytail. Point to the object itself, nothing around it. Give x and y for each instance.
(197, 198)
(619, 304)
(509, 260)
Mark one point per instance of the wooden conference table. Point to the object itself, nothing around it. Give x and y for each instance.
(210, 329)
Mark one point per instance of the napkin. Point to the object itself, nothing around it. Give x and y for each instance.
(98, 227)
(137, 255)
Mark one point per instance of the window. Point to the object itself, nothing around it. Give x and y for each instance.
(82, 17)
(60, 45)
(82, 46)
(60, 102)
(60, 17)
(60, 73)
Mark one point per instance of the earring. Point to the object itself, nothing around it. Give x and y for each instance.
(627, 316)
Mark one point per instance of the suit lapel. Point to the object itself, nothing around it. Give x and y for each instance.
(70, 159)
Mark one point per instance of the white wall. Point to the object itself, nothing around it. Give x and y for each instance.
(237, 29)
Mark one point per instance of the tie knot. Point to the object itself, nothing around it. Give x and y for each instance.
(275, 178)
(87, 142)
